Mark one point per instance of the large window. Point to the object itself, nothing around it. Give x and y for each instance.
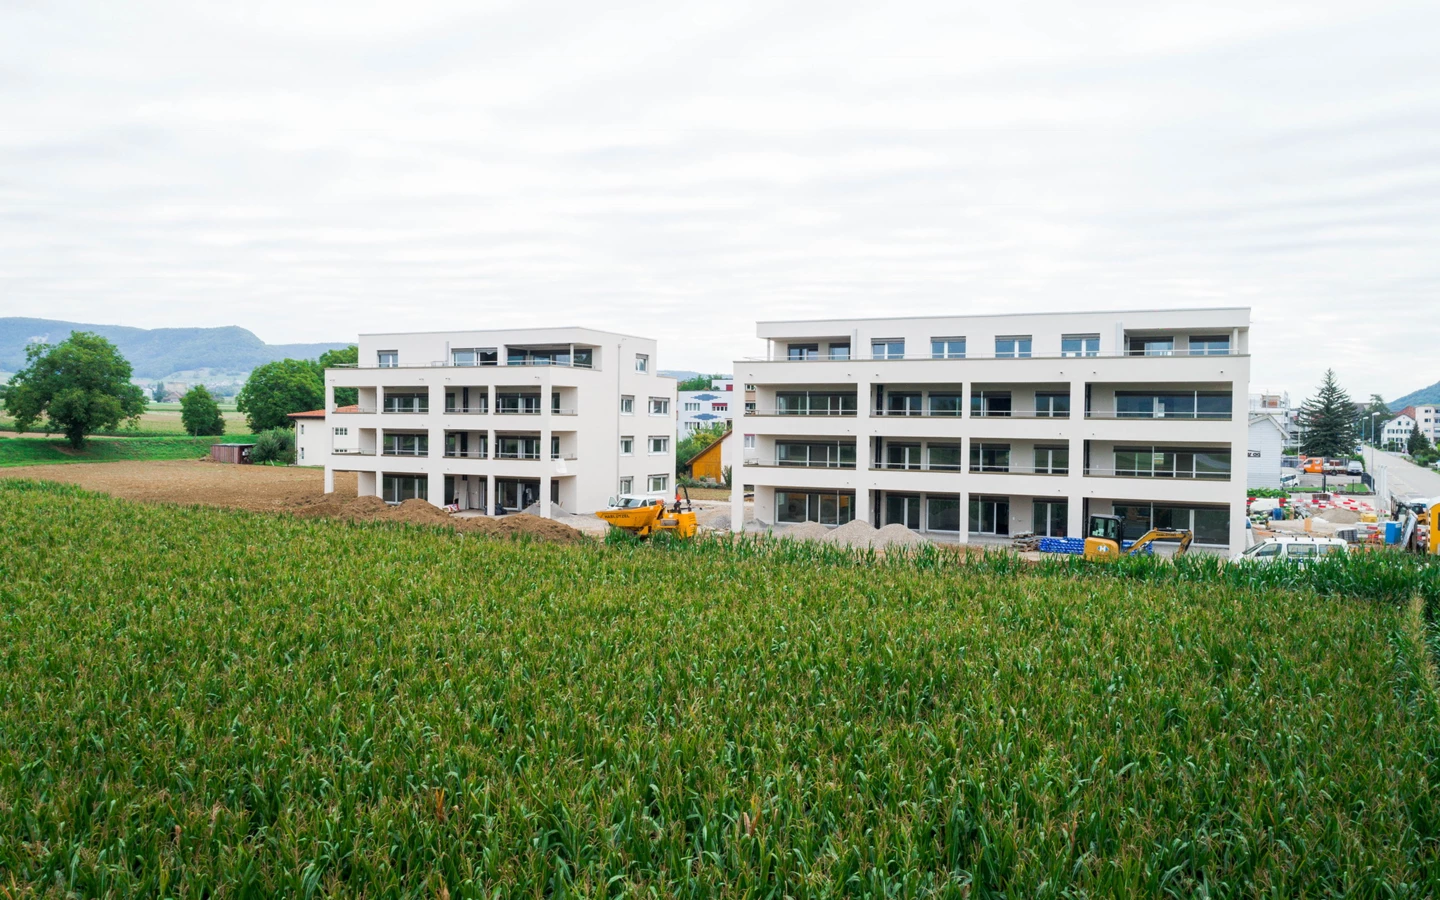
(1080, 345)
(388, 359)
(1172, 405)
(1157, 462)
(902, 456)
(942, 512)
(461, 444)
(814, 403)
(407, 444)
(793, 507)
(946, 404)
(659, 406)
(902, 509)
(516, 447)
(802, 352)
(989, 457)
(657, 483)
(627, 485)
(399, 488)
(478, 356)
(1211, 524)
(518, 404)
(464, 401)
(659, 445)
(815, 454)
(839, 351)
(947, 348)
(1052, 460)
(1012, 347)
(945, 457)
(989, 403)
(407, 403)
(1051, 518)
(1052, 406)
(989, 515)
(903, 404)
(1210, 345)
(692, 406)
(887, 348)
(1152, 346)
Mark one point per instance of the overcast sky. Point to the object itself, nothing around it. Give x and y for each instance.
(681, 170)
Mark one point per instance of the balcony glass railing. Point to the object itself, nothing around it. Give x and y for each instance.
(772, 462)
(466, 410)
(1216, 416)
(444, 364)
(466, 454)
(987, 356)
(1020, 414)
(773, 411)
(351, 451)
(1184, 475)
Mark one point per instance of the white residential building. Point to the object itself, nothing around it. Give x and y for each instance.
(1397, 431)
(697, 409)
(978, 427)
(506, 419)
(315, 440)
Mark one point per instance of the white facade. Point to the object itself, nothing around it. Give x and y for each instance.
(971, 426)
(1397, 430)
(697, 409)
(506, 419)
(315, 440)
(1264, 448)
(1428, 418)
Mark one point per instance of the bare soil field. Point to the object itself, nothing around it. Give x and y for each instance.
(298, 491)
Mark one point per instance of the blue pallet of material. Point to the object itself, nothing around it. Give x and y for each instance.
(1076, 546)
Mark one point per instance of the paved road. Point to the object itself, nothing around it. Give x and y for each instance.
(1405, 477)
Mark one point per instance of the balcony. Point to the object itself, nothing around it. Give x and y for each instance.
(518, 411)
(351, 451)
(517, 454)
(1019, 414)
(1169, 416)
(917, 413)
(466, 454)
(999, 469)
(952, 357)
(772, 411)
(353, 410)
(915, 467)
(1110, 472)
(466, 410)
(406, 411)
(771, 463)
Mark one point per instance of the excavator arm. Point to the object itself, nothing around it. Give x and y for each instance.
(1183, 536)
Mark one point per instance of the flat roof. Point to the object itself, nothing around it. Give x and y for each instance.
(1005, 315)
(639, 337)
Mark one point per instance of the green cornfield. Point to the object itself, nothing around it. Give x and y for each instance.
(196, 702)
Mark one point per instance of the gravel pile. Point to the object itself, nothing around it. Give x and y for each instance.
(855, 533)
(1340, 516)
(896, 535)
(808, 531)
(556, 511)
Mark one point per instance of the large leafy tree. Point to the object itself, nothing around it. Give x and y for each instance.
(346, 356)
(1372, 416)
(199, 412)
(1328, 421)
(277, 389)
(80, 386)
(696, 383)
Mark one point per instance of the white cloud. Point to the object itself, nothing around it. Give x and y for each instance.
(682, 170)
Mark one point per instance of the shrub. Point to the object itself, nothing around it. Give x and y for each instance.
(274, 447)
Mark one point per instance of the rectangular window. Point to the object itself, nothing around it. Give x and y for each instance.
(584, 358)
(407, 403)
(1012, 347)
(659, 445)
(342, 432)
(990, 515)
(473, 357)
(642, 363)
(627, 485)
(945, 457)
(627, 446)
(815, 455)
(659, 406)
(517, 404)
(749, 442)
(719, 407)
(399, 488)
(902, 509)
(627, 405)
(942, 512)
(793, 507)
(906, 404)
(802, 352)
(839, 351)
(807, 403)
(406, 444)
(990, 403)
(947, 348)
(1051, 518)
(887, 348)
(657, 483)
(1052, 460)
(692, 406)
(388, 359)
(1152, 346)
(902, 456)
(514, 447)
(1080, 345)
(749, 407)
(989, 457)
(1210, 345)
(1052, 406)
(946, 404)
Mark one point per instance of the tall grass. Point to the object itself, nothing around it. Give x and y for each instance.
(199, 702)
(34, 451)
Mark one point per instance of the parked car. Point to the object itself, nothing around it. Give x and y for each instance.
(1289, 480)
(1355, 468)
(1289, 548)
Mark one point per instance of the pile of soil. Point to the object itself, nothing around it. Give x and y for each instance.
(855, 533)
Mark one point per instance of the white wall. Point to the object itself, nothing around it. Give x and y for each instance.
(1266, 444)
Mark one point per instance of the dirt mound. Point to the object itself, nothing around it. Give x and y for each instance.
(809, 531)
(525, 525)
(855, 533)
(896, 535)
(1340, 516)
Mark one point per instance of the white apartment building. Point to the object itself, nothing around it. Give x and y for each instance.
(1395, 434)
(697, 409)
(979, 427)
(501, 420)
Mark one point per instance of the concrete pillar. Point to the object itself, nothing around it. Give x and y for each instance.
(864, 446)
(435, 489)
(329, 396)
(329, 479)
(1075, 492)
(545, 481)
(964, 517)
(489, 494)
(737, 492)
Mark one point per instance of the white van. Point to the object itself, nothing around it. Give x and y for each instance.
(1291, 549)
(1289, 480)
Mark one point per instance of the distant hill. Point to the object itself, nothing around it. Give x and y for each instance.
(1427, 395)
(158, 352)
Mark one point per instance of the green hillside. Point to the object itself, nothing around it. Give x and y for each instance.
(157, 352)
(1429, 394)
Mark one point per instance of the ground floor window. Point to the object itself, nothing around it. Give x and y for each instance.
(989, 515)
(942, 513)
(399, 488)
(903, 509)
(1052, 517)
(657, 483)
(627, 485)
(1211, 524)
(814, 506)
(513, 494)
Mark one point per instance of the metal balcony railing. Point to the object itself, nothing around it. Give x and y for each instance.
(1018, 470)
(444, 364)
(420, 411)
(1019, 414)
(511, 454)
(358, 409)
(918, 413)
(932, 357)
(1192, 416)
(466, 454)
(518, 411)
(772, 411)
(394, 452)
(885, 466)
(466, 410)
(1107, 472)
(768, 462)
(351, 451)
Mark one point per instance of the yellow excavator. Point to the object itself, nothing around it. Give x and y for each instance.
(1102, 539)
(644, 516)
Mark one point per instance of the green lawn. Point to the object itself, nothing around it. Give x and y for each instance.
(30, 451)
(201, 702)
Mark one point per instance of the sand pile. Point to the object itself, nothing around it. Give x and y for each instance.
(717, 517)
(808, 531)
(556, 511)
(896, 535)
(855, 533)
